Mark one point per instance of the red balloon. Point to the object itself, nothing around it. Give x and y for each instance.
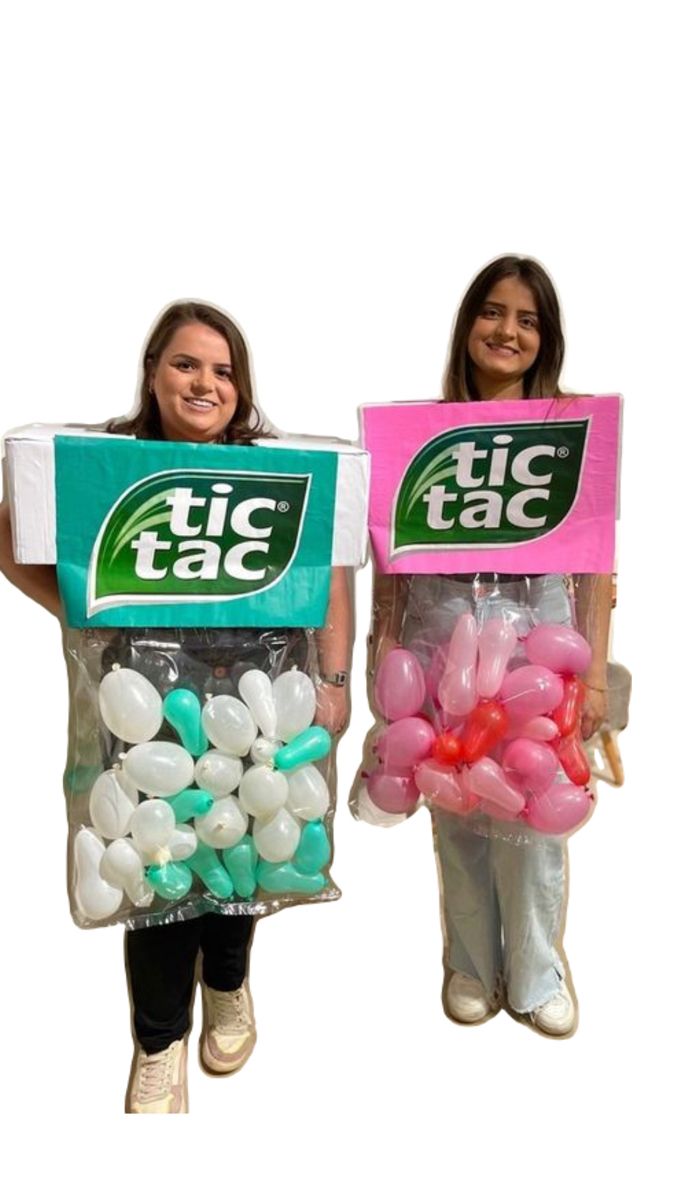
(447, 748)
(573, 759)
(568, 713)
(485, 726)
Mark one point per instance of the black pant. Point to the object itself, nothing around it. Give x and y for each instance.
(161, 969)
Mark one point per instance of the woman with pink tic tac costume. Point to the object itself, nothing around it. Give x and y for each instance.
(503, 883)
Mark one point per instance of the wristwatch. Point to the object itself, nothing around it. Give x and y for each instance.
(337, 679)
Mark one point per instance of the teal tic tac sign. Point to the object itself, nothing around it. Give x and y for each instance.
(173, 534)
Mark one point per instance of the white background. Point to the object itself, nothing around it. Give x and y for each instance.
(333, 175)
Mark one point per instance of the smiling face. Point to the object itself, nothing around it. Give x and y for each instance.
(504, 340)
(194, 385)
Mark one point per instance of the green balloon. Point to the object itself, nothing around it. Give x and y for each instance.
(313, 850)
(284, 877)
(190, 803)
(206, 864)
(182, 709)
(308, 746)
(241, 861)
(172, 881)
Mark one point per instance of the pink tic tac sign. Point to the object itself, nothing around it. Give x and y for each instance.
(518, 486)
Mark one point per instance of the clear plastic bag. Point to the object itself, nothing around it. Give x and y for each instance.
(477, 686)
(197, 777)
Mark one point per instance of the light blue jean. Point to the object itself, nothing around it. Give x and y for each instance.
(502, 894)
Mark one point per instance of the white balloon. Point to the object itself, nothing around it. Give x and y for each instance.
(95, 898)
(112, 803)
(277, 839)
(152, 825)
(308, 795)
(264, 749)
(159, 768)
(229, 725)
(182, 843)
(263, 791)
(218, 773)
(122, 866)
(255, 688)
(295, 702)
(130, 705)
(223, 825)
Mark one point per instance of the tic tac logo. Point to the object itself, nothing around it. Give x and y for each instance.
(489, 485)
(190, 536)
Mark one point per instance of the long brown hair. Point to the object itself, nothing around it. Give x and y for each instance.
(144, 422)
(543, 377)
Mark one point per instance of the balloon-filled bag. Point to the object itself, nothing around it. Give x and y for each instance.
(198, 779)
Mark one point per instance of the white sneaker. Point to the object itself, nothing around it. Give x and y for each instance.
(159, 1081)
(228, 1036)
(466, 999)
(558, 1016)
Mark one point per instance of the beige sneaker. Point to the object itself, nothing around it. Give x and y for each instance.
(558, 1016)
(158, 1082)
(228, 1035)
(466, 999)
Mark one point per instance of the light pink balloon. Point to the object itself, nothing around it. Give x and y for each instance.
(499, 813)
(464, 779)
(489, 781)
(457, 688)
(392, 793)
(399, 685)
(559, 648)
(560, 809)
(531, 692)
(541, 729)
(440, 785)
(405, 743)
(534, 765)
(496, 643)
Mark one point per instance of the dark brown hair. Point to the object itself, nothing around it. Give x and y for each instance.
(144, 422)
(543, 377)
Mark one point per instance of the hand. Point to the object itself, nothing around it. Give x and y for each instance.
(332, 707)
(594, 711)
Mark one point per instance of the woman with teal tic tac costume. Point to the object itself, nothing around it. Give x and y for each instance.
(196, 387)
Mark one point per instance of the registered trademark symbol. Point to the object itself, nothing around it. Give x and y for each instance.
(562, 451)
(283, 506)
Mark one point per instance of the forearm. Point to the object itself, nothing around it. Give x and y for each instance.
(335, 639)
(38, 582)
(390, 597)
(594, 611)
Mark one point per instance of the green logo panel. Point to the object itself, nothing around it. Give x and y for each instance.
(147, 535)
(489, 485)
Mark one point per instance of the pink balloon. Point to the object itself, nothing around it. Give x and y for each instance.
(499, 813)
(464, 779)
(405, 743)
(440, 785)
(559, 648)
(560, 809)
(496, 643)
(542, 729)
(531, 692)
(399, 685)
(457, 687)
(392, 793)
(489, 781)
(534, 765)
